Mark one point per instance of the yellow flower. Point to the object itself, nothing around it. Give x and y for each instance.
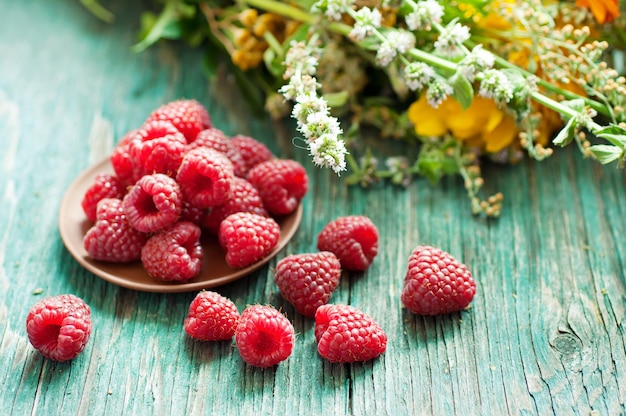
(482, 123)
(603, 10)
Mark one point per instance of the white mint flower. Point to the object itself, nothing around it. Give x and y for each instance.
(320, 123)
(300, 58)
(437, 92)
(476, 61)
(424, 14)
(417, 75)
(329, 151)
(450, 39)
(299, 85)
(495, 84)
(332, 8)
(366, 20)
(386, 53)
(307, 104)
(401, 40)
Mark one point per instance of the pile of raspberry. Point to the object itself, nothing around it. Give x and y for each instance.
(178, 177)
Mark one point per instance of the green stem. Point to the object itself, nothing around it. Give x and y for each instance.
(553, 88)
(295, 13)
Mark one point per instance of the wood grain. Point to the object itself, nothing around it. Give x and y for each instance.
(545, 333)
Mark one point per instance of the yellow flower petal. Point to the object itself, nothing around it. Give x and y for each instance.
(471, 122)
(428, 121)
(500, 137)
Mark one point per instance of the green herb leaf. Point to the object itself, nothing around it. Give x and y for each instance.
(566, 135)
(606, 153)
(463, 92)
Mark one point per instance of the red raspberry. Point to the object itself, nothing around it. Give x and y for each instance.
(59, 327)
(243, 198)
(205, 177)
(103, 186)
(153, 203)
(353, 239)
(192, 213)
(175, 254)
(247, 238)
(251, 151)
(188, 116)
(211, 317)
(282, 183)
(112, 238)
(157, 148)
(123, 164)
(308, 280)
(215, 139)
(344, 334)
(264, 336)
(436, 283)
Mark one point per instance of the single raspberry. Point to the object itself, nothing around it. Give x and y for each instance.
(158, 147)
(345, 334)
(112, 238)
(215, 139)
(188, 116)
(264, 336)
(174, 254)
(122, 162)
(436, 283)
(247, 238)
(243, 198)
(192, 213)
(251, 151)
(205, 177)
(282, 183)
(59, 327)
(104, 186)
(353, 239)
(211, 317)
(307, 280)
(153, 203)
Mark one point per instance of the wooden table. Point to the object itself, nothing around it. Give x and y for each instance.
(545, 333)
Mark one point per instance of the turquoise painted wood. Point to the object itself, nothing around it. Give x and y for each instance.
(545, 333)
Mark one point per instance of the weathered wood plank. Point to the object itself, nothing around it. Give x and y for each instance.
(544, 335)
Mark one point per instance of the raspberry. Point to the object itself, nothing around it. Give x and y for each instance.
(211, 317)
(251, 151)
(103, 186)
(344, 334)
(153, 203)
(215, 139)
(192, 213)
(308, 280)
(243, 198)
(264, 336)
(205, 177)
(353, 239)
(436, 283)
(112, 238)
(122, 162)
(282, 183)
(157, 148)
(59, 327)
(247, 238)
(175, 254)
(188, 116)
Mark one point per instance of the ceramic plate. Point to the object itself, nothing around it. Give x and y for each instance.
(73, 225)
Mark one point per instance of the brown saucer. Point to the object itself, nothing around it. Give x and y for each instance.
(73, 225)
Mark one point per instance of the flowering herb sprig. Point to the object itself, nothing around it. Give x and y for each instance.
(464, 87)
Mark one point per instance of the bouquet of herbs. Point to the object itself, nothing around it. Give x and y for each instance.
(463, 80)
